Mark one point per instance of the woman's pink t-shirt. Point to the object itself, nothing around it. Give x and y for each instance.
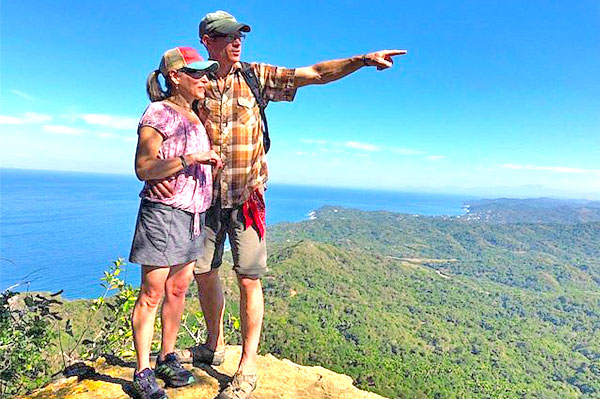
(192, 186)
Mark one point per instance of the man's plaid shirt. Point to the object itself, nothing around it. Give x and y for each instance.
(234, 126)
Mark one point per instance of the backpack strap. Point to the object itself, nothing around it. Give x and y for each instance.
(254, 85)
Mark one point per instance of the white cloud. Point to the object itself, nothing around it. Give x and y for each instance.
(314, 141)
(362, 146)
(10, 120)
(61, 129)
(111, 121)
(337, 147)
(22, 95)
(324, 146)
(331, 149)
(106, 135)
(436, 157)
(27, 117)
(407, 151)
(306, 154)
(556, 169)
(34, 117)
(512, 166)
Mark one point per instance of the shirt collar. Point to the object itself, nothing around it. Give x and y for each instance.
(234, 68)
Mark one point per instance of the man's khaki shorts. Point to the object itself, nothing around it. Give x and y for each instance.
(248, 250)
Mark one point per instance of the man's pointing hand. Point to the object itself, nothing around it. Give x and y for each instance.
(382, 59)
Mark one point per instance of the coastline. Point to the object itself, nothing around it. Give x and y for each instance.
(60, 230)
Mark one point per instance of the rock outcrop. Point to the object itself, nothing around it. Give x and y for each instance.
(281, 379)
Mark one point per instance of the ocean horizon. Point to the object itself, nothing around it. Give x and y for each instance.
(61, 230)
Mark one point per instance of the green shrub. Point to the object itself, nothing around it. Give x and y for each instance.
(26, 326)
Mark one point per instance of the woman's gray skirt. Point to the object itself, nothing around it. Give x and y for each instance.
(164, 236)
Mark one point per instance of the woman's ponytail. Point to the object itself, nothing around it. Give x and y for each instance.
(153, 87)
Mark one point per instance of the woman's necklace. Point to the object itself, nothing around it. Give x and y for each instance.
(185, 107)
(191, 115)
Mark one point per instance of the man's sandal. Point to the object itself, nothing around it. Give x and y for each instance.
(240, 387)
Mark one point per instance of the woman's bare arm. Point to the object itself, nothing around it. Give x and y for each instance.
(149, 167)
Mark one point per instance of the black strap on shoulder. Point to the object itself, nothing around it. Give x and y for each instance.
(254, 85)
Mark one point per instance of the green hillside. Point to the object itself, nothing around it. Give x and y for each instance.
(408, 306)
(418, 307)
(536, 256)
(538, 210)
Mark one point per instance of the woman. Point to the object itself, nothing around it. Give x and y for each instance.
(173, 144)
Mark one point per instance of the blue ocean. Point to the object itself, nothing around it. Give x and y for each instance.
(61, 230)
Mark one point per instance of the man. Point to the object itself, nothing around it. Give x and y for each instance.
(234, 125)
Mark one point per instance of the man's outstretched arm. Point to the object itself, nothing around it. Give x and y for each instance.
(328, 71)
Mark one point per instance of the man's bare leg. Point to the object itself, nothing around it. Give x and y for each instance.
(251, 314)
(212, 302)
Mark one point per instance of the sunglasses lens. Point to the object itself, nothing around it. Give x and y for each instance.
(230, 38)
(193, 73)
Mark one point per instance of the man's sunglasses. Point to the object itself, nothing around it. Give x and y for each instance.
(229, 38)
(193, 73)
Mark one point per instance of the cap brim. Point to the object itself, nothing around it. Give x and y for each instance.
(228, 27)
(209, 66)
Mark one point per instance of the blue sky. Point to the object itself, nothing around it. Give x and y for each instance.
(494, 97)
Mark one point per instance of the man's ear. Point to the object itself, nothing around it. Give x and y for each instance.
(205, 39)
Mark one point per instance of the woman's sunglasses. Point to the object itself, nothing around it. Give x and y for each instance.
(193, 73)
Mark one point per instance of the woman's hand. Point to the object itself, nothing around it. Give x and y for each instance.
(162, 188)
(209, 158)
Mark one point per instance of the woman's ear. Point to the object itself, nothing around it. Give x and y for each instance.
(174, 76)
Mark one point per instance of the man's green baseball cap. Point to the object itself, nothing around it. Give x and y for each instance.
(221, 22)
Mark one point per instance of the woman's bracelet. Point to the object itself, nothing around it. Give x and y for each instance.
(182, 158)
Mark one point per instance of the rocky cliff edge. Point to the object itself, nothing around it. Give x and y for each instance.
(281, 379)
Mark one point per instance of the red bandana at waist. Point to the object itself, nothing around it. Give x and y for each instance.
(254, 213)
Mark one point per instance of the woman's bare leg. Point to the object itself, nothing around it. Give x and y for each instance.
(173, 306)
(144, 311)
